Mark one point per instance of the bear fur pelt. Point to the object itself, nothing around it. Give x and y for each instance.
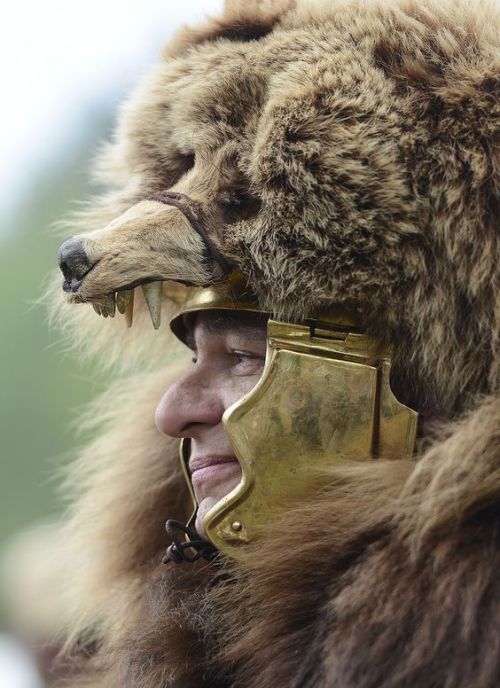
(343, 151)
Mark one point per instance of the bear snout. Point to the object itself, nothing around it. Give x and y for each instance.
(74, 263)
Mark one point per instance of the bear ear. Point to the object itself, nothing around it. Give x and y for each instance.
(242, 20)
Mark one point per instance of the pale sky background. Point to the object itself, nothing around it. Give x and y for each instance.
(58, 57)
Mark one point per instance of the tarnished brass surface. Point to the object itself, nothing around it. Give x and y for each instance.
(234, 295)
(320, 400)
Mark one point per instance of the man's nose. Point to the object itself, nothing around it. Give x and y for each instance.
(187, 407)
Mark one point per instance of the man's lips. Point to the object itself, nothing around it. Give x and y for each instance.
(197, 463)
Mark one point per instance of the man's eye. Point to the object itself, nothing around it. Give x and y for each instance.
(246, 357)
(240, 356)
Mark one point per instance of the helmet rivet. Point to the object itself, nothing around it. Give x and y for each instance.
(236, 525)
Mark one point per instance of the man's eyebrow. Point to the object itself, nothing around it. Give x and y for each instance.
(252, 325)
(251, 329)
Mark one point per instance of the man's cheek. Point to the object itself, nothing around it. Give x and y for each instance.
(243, 384)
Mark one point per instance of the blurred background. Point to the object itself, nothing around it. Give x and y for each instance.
(65, 66)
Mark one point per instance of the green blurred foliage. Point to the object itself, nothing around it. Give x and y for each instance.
(41, 388)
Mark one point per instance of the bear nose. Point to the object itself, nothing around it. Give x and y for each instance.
(74, 263)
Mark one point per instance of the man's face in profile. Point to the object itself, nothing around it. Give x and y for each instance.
(229, 352)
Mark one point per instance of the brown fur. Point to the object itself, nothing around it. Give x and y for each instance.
(343, 151)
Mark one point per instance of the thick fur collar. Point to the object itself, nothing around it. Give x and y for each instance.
(387, 577)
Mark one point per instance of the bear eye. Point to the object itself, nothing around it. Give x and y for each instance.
(187, 161)
(238, 205)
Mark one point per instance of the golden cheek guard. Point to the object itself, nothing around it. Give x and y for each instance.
(324, 398)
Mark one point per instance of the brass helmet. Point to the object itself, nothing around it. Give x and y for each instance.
(324, 397)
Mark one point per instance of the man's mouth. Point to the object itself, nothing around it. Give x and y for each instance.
(208, 471)
(204, 462)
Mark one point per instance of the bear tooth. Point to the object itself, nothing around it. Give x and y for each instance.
(122, 299)
(152, 294)
(97, 308)
(129, 310)
(109, 306)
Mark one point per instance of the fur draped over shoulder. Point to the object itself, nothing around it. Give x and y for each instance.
(334, 152)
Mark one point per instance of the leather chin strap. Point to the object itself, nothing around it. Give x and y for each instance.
(197, 218)
(189, 548)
